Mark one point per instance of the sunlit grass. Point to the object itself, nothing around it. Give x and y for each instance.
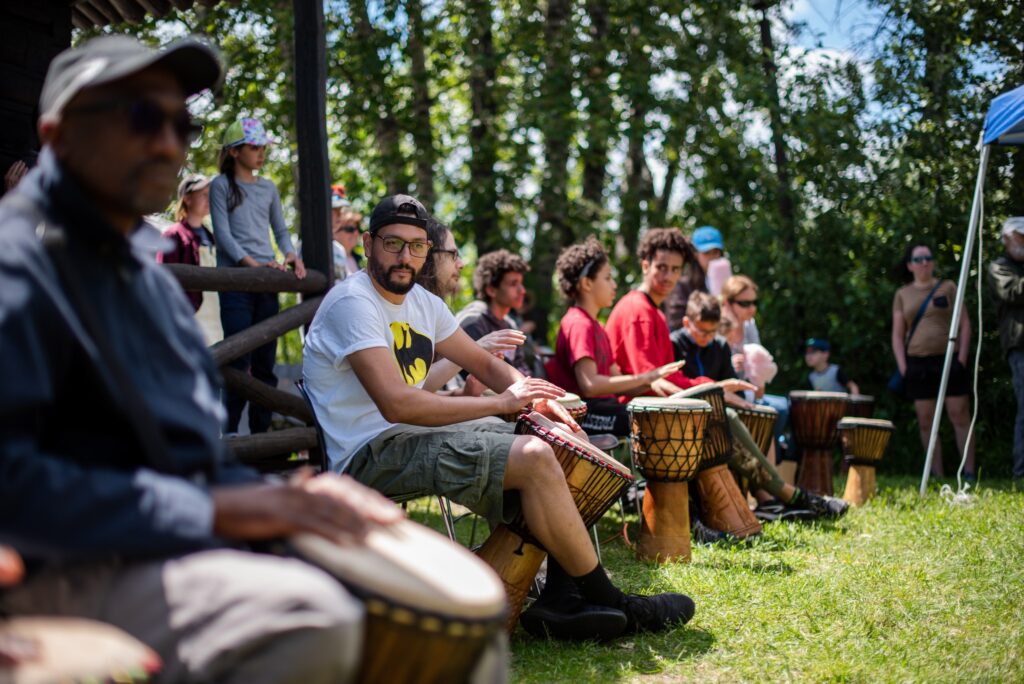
(904, 589)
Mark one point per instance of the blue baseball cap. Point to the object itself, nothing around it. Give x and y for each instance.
(707, 238)
(819, 344)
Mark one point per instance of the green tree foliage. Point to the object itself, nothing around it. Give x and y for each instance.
(530, 124)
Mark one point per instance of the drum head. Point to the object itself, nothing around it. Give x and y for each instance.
(861, 399)
(802, 395)
(758, 410)
(699, 391)
(76, 650)
(876, 423)
(674, 403)
(571, 401)
(580, 444)
(413, 566)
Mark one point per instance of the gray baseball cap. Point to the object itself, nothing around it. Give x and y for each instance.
(110, 58)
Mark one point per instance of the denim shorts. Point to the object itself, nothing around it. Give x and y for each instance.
(463, 461)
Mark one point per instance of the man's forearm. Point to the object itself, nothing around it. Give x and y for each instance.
(428, 409)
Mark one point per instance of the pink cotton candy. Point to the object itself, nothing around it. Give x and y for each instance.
(719, 270)
(759, 365)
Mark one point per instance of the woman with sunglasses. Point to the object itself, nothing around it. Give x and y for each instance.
(345, 230)
(244, 208)
(920, 349)
(739, 304)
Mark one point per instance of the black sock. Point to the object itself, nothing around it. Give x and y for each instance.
(557, 582)
(598, 589)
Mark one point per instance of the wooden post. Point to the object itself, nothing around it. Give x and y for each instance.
(311, 125)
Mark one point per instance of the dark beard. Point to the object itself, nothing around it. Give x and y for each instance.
(383, 278)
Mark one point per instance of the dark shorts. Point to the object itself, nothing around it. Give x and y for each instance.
(925, 372)
(464, 462)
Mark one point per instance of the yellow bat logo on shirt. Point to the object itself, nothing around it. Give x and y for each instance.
(414, 352)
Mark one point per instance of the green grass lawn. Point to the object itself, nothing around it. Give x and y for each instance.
(904, 589)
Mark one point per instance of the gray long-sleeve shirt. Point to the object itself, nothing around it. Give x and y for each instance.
(243, 232)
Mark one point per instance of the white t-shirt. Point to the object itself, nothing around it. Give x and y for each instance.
(354, 317)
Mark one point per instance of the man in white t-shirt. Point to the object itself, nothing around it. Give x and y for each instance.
(367, 354)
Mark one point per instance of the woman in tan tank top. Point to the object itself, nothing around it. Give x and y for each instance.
(921, 360)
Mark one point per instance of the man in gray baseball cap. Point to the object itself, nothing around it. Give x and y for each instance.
(112, 469)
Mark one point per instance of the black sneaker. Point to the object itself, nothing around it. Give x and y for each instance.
(573, 621)
(702, 534)
(825, 506)
(658, 612)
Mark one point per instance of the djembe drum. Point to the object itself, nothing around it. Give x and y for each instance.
(861, 406)
(814, 416)
(595, 481)
(574, 405)
(760, 423)
(722, 504)
(432, 607)
(864, 441)
(668, 440)
(58, 649)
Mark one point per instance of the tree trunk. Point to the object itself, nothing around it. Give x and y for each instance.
(557, 109)
(422, 133)
(387, 130)
(483, 143)
(600, 114)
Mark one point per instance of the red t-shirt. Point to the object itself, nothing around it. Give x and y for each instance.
(638, 333)
(580, 336)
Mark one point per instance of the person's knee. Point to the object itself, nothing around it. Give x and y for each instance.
(534, 458)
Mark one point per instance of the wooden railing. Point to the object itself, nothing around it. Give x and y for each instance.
(267, 451)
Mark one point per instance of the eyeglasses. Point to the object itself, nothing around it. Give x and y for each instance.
(922, 259)
(745, 303)
(698, 331)
(453, 253)
(147, 118)
(353, 229)
(395, 245)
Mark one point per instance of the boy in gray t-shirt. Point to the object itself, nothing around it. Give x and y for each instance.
(825, 376)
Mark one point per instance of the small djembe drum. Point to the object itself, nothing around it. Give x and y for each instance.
(574, 405)
(864, 441)
(58, 649)
(432, 607)
(760, 422)
(861, 406)
(722, 504)
(814, 416)
(595, 481)
(668, 440)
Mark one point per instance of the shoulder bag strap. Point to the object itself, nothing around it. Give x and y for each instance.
(919, 316)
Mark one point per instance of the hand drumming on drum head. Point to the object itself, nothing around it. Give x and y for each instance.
(336, 507)
(536, 391)
(736, 385)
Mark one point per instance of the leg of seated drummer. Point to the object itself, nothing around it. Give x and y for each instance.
(767, 477)
(222, 615)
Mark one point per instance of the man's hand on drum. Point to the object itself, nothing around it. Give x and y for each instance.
(538, 392)
(501, 341)
(660, 372)
(665, 388)
(336, 507)
(736, 385)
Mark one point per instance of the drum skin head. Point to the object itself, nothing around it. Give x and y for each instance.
(877, 423)
(77, 650)
(807, 395)
(413, 566)
(571, 401)
(674, 403)
(581, 444)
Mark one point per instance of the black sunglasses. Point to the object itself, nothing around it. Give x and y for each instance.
(147, 118)
(922, 259)
(745, 303)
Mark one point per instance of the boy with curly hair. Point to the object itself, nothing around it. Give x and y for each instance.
(583, 356)
(498, 281)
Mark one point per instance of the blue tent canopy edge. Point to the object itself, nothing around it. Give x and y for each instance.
(1004, 123)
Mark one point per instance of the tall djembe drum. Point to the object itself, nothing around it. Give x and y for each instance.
(864, 441)
(814, 416)
(595, 481)
(722, 504)
(861, 406)
(668, 437)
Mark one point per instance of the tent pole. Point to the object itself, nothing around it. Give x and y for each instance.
(954, 325)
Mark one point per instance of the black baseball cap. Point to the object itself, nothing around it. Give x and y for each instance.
(398, 209)
(194, 63)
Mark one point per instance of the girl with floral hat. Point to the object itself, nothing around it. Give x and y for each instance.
(242, 207)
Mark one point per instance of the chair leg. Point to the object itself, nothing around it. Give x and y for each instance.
(597, 543)
(446, 515)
